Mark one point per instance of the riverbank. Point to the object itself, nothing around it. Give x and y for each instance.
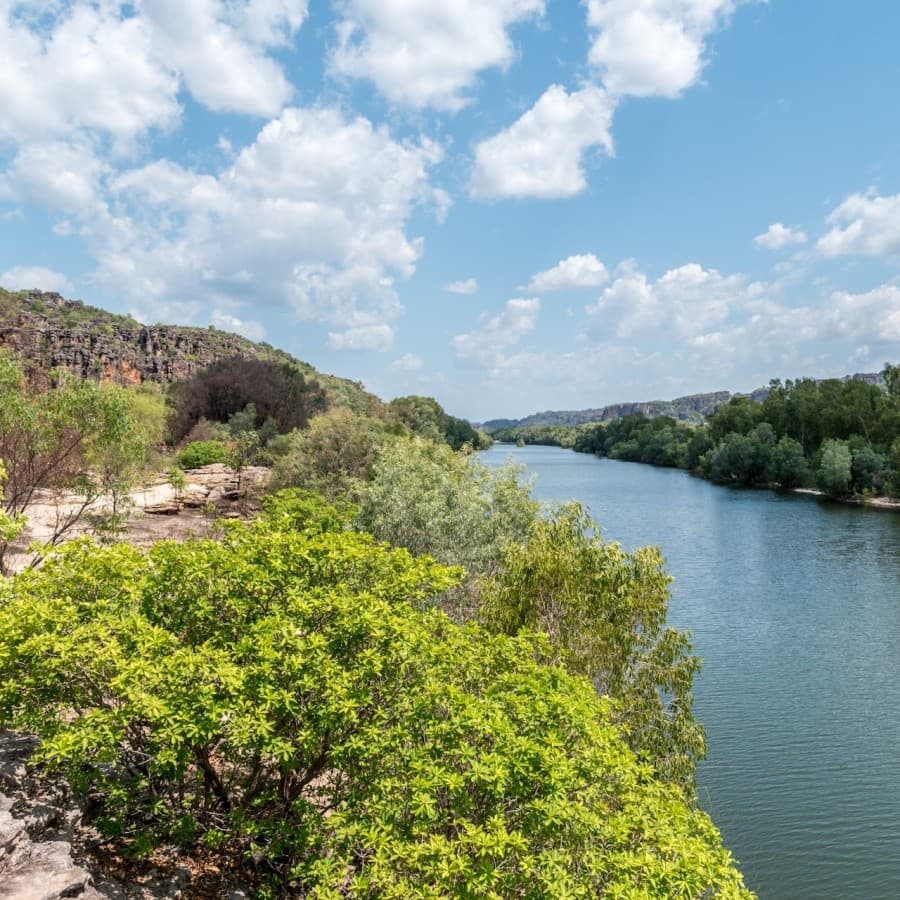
(889, 504)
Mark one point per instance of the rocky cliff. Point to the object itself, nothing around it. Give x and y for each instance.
(51, 332)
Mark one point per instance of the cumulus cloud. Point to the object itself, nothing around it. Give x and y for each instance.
(469, 286)
(865, 224)
(365, 337)
(579, 271)
(483, 347)
(421, 53)
(63, 175)
(645, 48)
(221, 49)
(22, 278)
(872, 317)
(542, 154)
(89, 67)
(409, 362)
(114, 69)
(779, 236)
(687, 300)
(312, 213)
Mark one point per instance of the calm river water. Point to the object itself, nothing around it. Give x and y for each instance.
(795, 608)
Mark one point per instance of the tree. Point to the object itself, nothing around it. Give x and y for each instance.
(835, 473)
(431, 500)
(277, 391)
(335, 456)
(281, 694)
(81, 437)
(789, 466)
(604, 612)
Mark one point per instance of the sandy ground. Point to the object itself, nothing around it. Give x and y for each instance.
(210, 493)
(873, 502)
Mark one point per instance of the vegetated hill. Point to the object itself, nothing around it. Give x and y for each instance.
(691, 408)
(688, 409)
(50, 332)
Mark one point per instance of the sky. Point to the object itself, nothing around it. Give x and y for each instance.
(509, 205)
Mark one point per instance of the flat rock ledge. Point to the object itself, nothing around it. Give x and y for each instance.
(44, 843)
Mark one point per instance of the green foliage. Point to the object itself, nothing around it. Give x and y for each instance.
(281, 693)
(202, 453)
(661, 441)
(11, 525)
(92, 439)
(427, 498)
(789, 466)
(835, 473)
(425, 417)
(334, 456)
(604, 611)
(743, 458)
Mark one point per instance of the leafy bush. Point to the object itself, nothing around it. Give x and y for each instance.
(604, 611)
(202, 453)
(281, 694)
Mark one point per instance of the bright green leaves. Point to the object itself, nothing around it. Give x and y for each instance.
(293, 693)
(604, 612)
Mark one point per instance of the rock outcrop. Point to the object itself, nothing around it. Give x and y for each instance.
(50, 332)
(45, 848)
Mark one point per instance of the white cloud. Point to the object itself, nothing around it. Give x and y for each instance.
(583, 270)
(409, 362)
(63, 175)
(21, 278)
(228, 322)
(113, 69)
(867, 224)
(424, 53)
(649, 48)
(312, 214)
(541, 155)
(687, 300)
(469, 286)
(365, 337)
(220, 49)
(779, 236)
(872, 317)
(88, 67)
(483, 347)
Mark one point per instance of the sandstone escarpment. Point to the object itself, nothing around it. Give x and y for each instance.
(52, 333)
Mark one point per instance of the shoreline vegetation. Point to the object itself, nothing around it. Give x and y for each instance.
(836, 439)
(398, 678)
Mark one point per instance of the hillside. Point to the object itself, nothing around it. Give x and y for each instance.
(691, 408)
(51, 332)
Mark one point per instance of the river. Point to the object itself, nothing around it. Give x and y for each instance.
(794, 604)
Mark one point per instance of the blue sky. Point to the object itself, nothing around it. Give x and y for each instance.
(511, 205)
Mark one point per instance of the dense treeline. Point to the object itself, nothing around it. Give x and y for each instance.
(841, 436)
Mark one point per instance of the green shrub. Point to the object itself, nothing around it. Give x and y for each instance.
(282, 694)
(202, 453)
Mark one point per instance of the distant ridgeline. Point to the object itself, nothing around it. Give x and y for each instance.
(840, 435)
(52, 333)
(692, 408)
